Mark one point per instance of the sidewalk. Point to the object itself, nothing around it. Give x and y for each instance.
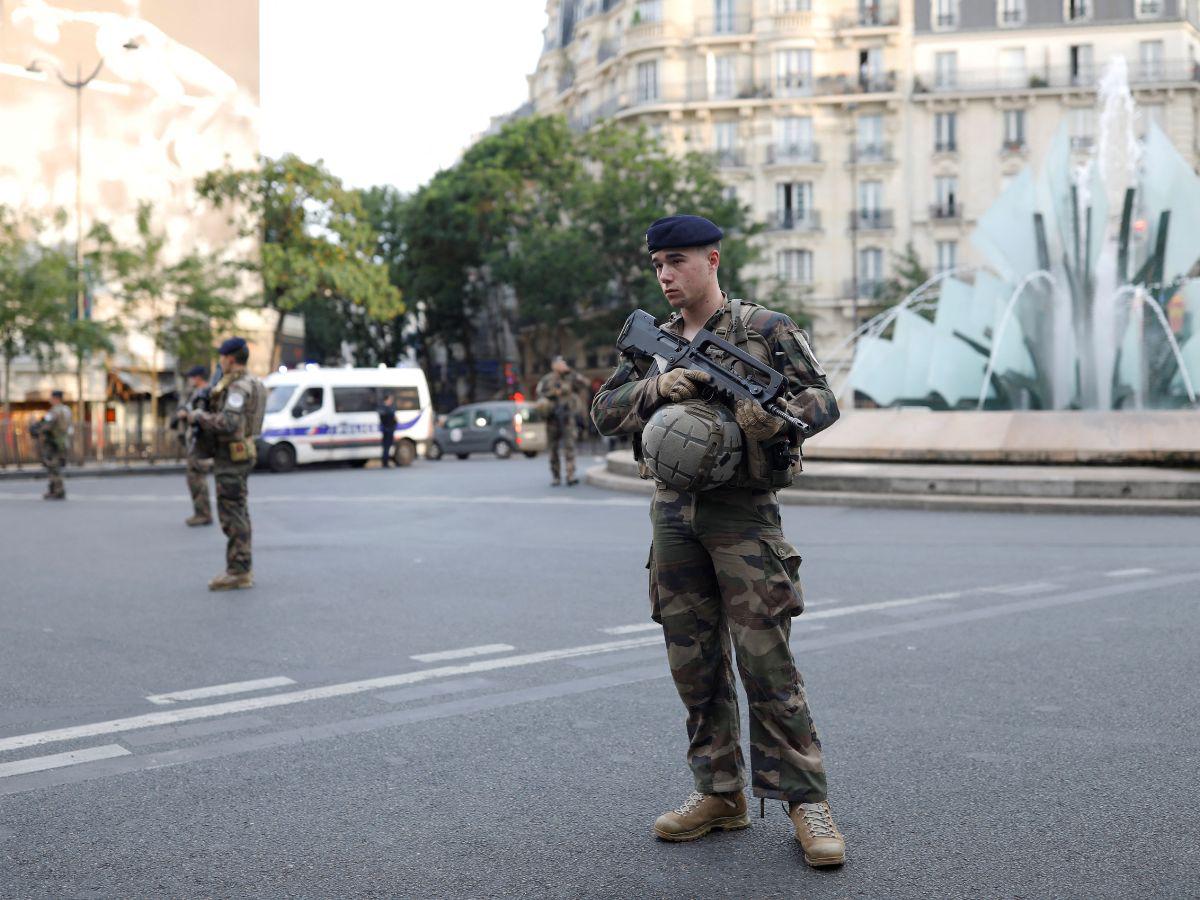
(93, 469)
(1125, 490)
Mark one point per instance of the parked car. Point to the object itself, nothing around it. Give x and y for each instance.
(501, 427)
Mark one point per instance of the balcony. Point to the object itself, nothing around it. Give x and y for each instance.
(951, 211)
(840, 84)
(867, 288)
(1082, 142)
(723, 25)
(871, 220)
(729, 158)
(1150, 72)
(716, 91)
(787, 220)
(867, 153)
(793, 154)
(649, 33)
(797, 20)
(566, 79)
(1012, 17)
(945, 21)
(609, 47)
(870, 15)
(1016, 145)
(1149, 9)
(945, 146)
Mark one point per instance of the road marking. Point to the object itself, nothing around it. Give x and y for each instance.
(58, 760)
(436, 689)
(1128, 573)
(882, 604)
(463, 653)
(1016, 590)
(435, 499)
(220, 690)
(632, 629)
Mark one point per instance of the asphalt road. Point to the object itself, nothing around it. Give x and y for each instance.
(1008, 704)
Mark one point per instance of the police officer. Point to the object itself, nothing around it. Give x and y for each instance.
(387, 427)
(561, 393)
(199, 459)
(238, 406)
(53, 432)
(721, 571)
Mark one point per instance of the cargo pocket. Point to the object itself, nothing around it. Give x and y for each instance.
(652, 571)
(781, 569)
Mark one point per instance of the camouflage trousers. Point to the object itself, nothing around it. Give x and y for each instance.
(234, 514)
(197, 482)
(54, 460)
(724, 579)
(561, 439)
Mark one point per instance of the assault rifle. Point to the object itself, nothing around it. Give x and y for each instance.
(202, 402)
(642, 337)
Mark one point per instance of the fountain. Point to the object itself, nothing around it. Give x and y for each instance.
(1058, 318)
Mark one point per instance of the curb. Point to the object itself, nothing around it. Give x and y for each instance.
(599, 476)
(38, 474)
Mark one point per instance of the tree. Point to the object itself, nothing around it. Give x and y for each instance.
(909, 275)
(315, 242)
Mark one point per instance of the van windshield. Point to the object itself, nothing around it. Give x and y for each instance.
(278, 399)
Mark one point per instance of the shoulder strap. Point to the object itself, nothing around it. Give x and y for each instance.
(740, 311)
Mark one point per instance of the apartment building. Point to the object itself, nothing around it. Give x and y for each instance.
(852, 127)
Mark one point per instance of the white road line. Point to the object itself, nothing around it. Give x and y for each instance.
(1032, 587)
(882, 604)
(481, 650)
(1128, 573)
(58, 760)
(191, 713)
(632, 629)
(220, 690)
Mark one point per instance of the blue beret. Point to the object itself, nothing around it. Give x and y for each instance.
(232, 345)
(682, 231)
(197, 372)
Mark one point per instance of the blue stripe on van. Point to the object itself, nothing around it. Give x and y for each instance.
(323, 430)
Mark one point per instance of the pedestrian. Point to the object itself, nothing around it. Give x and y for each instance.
(721, 571)
(238, 406)
(387, 425)
(198, 453)
(54, 432)
(561, 398)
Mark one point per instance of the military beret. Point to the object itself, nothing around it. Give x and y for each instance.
(58, 394)
(682, 231)
(231, 345)
(197, 372)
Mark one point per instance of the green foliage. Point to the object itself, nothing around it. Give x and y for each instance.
(316, 246)
(909, 275)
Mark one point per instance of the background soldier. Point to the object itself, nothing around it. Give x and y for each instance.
(239, 403)
(387, 426)
(562, 392)
(199, 459)
(719, 564)
(53, 432)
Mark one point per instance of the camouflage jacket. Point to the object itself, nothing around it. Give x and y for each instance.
(234, 402)
(571, 389)
(56, 426)
(630, 396)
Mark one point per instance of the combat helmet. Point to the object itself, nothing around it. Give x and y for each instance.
(692, 446)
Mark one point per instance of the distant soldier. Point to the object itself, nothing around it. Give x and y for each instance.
(199, 453)
(53, 432)
(238, 405)
(562, 396)
(387, 426)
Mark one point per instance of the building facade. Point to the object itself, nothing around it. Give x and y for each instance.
(854, 128)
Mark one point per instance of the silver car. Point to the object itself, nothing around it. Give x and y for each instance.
(501, 427)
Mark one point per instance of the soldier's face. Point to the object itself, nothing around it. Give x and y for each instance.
(197, 381)
(685, 275)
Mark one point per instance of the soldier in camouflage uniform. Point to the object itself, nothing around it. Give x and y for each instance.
(239, 402)
(199, 463)
(54, 436)
(722, 574)
(561, 392)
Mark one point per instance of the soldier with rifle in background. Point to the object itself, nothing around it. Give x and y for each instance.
(562, 397)
(198, 448)
(53, 433)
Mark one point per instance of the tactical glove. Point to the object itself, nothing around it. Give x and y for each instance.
(756, 423)
(682, 384)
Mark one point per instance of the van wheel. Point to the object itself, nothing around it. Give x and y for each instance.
(282, 458)
(358, 463)
(404, 453)
(462, 455)
(433, 451)
(502, 449)
(530, 453)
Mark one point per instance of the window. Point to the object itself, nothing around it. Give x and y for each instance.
(1149, 9)
(723, 76)
(1075, 10)
(278, 399)
(793, 72)
(1011, 12)
(796, 266)
(786, 6)
(1014, 129)
(945, 14)
(1150, 60)
(482, 417)
(354, 399)
(794, 203)
(723, 19)
(647, 81)
(310, 402)
(456, 420)
(870, 69)
(945, 190)
(648, 11)
(725, 138)
(947, 256)
(946, 69)
(1082, 72)
(868, 142)
(1012, 67)
(794, 137)
(1151, 113)
(870, 199)
(408, 399)
(1082, 126)
(945, 132)
(869, 13)
(870, 268)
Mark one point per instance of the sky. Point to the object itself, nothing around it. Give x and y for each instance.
(391, 91)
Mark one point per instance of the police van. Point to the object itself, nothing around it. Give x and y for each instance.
(316, 414)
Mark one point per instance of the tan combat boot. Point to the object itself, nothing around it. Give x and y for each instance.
(822, 842)
(193, 521)
(700, 814)
(228, 581)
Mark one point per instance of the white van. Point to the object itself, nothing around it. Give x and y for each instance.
(315, 414)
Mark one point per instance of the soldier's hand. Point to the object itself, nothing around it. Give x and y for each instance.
(756, 423)
(682, 384)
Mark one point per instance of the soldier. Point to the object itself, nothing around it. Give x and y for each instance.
(561, 392)
(238, 406)
(719, 564)
(53, 432)
(199, 458)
